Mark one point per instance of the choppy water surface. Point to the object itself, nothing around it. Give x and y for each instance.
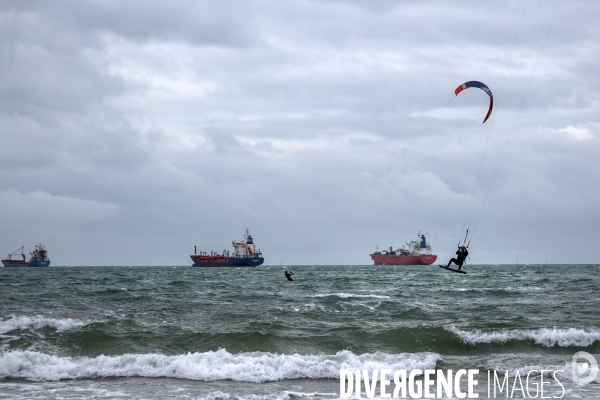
(182, 332)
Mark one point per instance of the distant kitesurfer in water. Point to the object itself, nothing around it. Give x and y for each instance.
(461, 255)
(288, 275)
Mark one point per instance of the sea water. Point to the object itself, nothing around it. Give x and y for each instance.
(248, 333)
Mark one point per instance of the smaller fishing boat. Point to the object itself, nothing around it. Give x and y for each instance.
(37, 258)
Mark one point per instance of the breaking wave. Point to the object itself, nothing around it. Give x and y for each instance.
(545, 337)
(209, 366)
(37, 322)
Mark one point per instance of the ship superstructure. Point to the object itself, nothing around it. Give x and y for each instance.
(37, 258)
(245, 254)
(415, 252)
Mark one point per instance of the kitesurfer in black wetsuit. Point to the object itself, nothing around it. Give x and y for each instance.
(461, 255)
(288, 275)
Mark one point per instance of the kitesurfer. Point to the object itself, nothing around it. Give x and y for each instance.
(461, 256)
(288, 275)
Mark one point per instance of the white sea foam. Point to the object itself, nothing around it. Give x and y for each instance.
(349, 295)
(305, 307)
(372, 308)
(37, 322)
(208, 366)
(545, 337)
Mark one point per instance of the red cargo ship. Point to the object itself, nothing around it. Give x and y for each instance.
(417, 252)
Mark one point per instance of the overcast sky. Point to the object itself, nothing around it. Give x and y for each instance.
(130, 131)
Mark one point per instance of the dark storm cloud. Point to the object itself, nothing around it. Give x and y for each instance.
(161, 124)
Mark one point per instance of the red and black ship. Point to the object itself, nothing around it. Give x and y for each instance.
(415, 252)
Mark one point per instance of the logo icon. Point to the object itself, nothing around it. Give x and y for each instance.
(585, 372)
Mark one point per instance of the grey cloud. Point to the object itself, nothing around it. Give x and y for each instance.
(204, 23)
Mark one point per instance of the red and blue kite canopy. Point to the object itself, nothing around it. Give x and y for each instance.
(481, 86)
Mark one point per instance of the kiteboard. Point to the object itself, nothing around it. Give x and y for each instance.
(452, 269)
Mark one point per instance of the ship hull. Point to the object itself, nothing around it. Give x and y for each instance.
(33, 264)
(403, 260)
(227, 261)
